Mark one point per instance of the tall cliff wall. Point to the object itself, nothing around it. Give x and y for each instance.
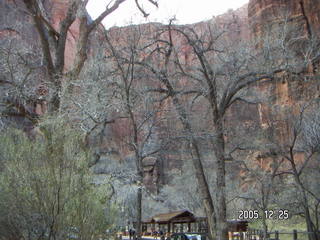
(254, 20)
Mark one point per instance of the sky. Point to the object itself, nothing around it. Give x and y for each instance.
(185, 11)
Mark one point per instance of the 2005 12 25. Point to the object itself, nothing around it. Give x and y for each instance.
(279, 214)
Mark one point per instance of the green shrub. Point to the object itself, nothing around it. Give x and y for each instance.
(47, 189)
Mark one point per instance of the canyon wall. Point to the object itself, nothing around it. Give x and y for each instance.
(302, 15)
(253, 21)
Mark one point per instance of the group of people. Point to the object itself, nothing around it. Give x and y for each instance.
(133, 236)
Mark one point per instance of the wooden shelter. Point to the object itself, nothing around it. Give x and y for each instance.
(185, 221)
(168, 222)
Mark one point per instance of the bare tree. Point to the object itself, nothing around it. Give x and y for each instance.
(20, 65)
(53, 44)
(142, 110)
(264, 183)
(163, 51)
(300, 153)
(224, 69)
(220, 73)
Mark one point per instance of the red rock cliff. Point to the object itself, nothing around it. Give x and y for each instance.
(252, 20)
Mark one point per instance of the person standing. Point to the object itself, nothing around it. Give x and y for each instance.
(134, 234)
(161, 233)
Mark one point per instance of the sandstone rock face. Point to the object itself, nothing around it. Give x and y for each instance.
(170, 163)
(301, 15)
(58, 13)
(254, 20)
(302, 18)
(14, 19)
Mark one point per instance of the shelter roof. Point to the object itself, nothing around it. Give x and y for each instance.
(168, 217)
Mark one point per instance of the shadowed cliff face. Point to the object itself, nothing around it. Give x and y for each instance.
(18, 33)
(15, 19)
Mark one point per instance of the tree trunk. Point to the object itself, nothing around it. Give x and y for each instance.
(264, 226)
(55, 101)
(218, 146)
(139, 213)
(309, 223)
(204, 189)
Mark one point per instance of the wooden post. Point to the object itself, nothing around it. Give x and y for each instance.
(189, 227)
(276, 234)
(295, 234)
